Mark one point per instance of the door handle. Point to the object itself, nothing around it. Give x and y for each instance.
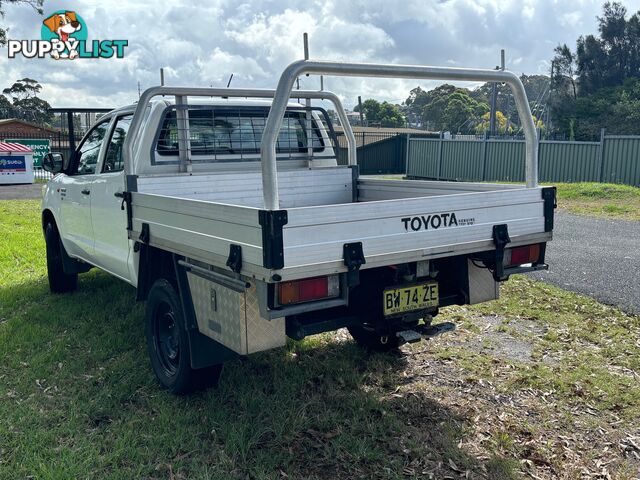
(85, 192)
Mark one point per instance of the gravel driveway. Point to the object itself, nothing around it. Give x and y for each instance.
(596, 257)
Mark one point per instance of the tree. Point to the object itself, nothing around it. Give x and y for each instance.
(391, 115)
(614, 55)
(502, 124)
(615, 108)
(371, 110)
(35, 4)
(415, 103)
(446, 107)
(6, 108)
(564, 71)
(384, 114)
(435, 106)
(462, 112)
(592, 62)
(23, 89)
(614, 40)
(597, 85)
(536, 87)
(25, 103)
(34, 110)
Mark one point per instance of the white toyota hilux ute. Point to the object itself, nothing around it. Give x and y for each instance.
(228, 211)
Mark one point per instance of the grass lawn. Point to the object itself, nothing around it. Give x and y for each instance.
(540, 384)
(607, 200)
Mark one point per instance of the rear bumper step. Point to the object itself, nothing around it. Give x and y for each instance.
(425, 331)
(431, 331)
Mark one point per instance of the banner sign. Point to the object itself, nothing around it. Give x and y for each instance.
(39, 146)
(12, 164)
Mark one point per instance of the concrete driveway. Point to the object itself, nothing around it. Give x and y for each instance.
(21, 192)
(596, 257)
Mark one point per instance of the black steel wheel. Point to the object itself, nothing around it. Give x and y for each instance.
(59, 281)
(166, 337)
(168, 343)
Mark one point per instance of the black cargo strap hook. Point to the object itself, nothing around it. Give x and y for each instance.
(500, 239)
(353, 258)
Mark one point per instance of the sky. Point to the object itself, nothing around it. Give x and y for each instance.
(202, 43)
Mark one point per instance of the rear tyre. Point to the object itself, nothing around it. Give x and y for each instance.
(59, 282)
(369, 339)
(168, 343)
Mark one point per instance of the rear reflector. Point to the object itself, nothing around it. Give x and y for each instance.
(522, 255)
(308, 289)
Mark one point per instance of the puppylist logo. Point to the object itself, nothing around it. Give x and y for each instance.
(64, 37)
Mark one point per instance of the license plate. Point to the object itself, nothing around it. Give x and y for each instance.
(408, 299)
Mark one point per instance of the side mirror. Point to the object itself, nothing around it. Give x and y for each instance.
(52, 162)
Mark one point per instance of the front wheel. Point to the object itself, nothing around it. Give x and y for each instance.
(59, 281)
(168, 343)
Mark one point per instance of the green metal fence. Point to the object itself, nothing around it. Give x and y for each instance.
(377, 152)
(614, 159)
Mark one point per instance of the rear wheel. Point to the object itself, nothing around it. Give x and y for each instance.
(168, 343)
(59, 281)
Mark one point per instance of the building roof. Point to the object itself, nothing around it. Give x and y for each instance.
(369, 135)
(6, 147)
(8, 121)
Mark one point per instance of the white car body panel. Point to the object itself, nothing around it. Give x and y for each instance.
(93, 227)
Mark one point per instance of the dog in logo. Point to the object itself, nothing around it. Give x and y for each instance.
(63, 25)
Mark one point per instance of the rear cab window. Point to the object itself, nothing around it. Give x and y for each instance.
(223, 131)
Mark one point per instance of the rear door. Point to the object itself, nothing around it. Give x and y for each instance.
(108, 219)
(75, 194)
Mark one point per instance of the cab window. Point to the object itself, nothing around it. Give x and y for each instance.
(114, 158)
(89, 150)
(215, 131)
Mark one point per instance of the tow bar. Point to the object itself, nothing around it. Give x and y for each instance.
(424, 331)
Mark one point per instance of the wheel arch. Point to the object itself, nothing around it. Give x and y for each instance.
(48, 217)
(158, 264)
(153, 263)
(70, 265)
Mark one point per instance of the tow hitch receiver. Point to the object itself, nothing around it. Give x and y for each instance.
(425, 331)
(430, 331)
(409, 336)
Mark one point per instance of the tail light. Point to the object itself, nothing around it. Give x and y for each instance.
(308, 289)
(522, 255)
